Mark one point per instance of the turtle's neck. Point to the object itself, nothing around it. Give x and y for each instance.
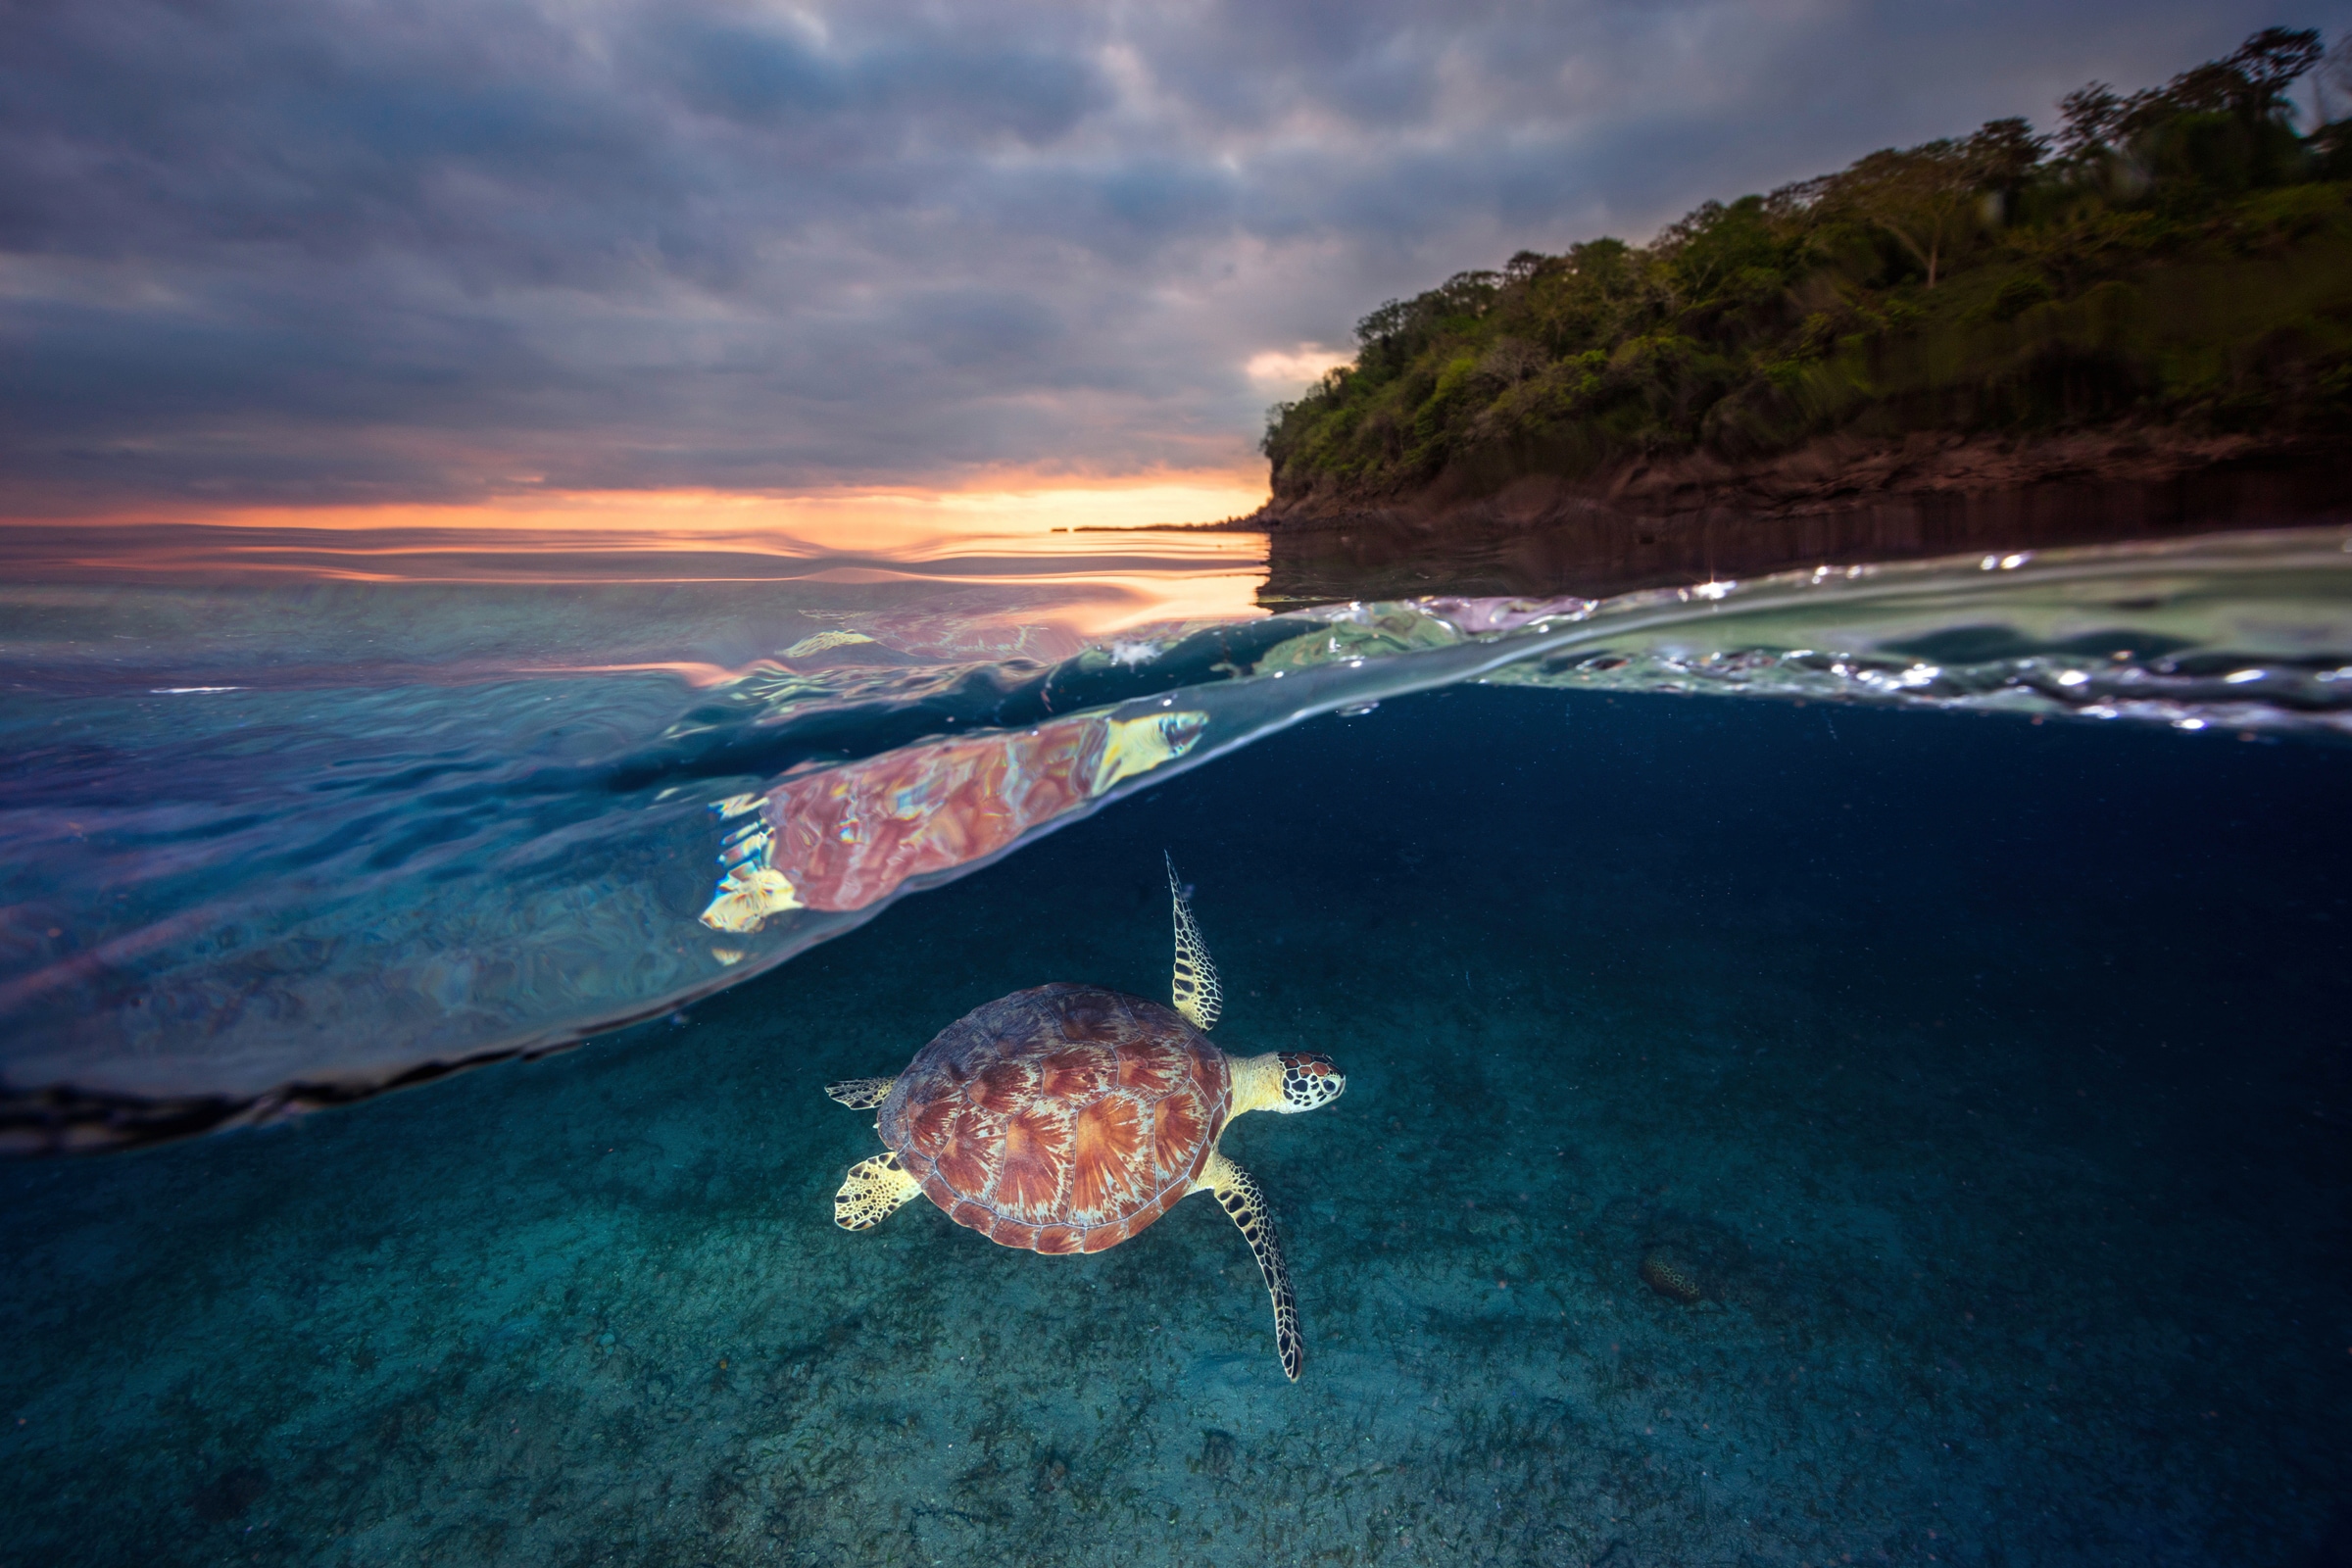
(1256, 1083)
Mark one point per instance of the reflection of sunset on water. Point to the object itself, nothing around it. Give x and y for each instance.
(1036, 571)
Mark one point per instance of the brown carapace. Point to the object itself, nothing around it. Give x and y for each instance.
(1063, 1119)
(1069, 1117)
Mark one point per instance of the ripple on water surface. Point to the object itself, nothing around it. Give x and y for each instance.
(282, 845)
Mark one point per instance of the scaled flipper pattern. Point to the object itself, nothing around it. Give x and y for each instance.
(873, 1192)
(1241, 1197)
(861, 1094)
(1195, 991)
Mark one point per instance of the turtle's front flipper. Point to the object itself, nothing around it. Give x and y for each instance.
(1242, 1199)
(873, 1192)
(861, 1094)
(1195, 991)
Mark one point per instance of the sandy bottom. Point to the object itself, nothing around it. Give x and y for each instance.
(1988, 1082)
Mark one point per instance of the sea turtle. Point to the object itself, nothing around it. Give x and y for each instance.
(1066, 1119)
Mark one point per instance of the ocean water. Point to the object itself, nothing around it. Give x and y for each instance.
(1941, 969)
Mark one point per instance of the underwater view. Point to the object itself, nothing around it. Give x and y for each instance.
(1838, 1067)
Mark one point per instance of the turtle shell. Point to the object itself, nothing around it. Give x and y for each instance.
(1063, 1119)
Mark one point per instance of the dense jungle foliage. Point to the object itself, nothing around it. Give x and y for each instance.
(2180, 255)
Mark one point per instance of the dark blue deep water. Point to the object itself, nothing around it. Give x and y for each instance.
(1988, 1079)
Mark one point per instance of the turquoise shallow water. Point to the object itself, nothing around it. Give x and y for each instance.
(1987, 1077)
(1940, 967)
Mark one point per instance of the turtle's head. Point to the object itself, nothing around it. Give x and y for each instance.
(1308, 1080)
(1287, 1081)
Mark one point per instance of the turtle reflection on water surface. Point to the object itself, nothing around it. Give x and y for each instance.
(1067, 1118)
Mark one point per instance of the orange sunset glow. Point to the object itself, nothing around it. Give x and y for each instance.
(906, 523)
(1114, 554)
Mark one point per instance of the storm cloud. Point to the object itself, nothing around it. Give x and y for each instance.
(444, 248)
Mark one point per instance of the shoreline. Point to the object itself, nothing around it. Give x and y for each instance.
(1828, 474)
(1667, 521)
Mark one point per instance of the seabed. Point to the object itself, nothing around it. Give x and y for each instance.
(1988, 1081)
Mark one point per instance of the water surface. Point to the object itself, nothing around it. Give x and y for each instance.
(282, 841)
(1938, 965)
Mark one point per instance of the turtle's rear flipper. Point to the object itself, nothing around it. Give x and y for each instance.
(1194, 990)
(1241, 1197)
(861, 1094)
(872, 1193)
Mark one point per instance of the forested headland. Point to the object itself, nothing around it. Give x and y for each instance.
(2165, 273)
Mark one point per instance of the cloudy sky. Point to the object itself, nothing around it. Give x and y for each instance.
(322, 252)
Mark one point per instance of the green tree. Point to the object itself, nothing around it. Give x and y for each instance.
(1755, 324)
(1932, 198)
(2250, 84)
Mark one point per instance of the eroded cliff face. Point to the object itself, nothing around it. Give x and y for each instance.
(1829, 473)
(1839, 500)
